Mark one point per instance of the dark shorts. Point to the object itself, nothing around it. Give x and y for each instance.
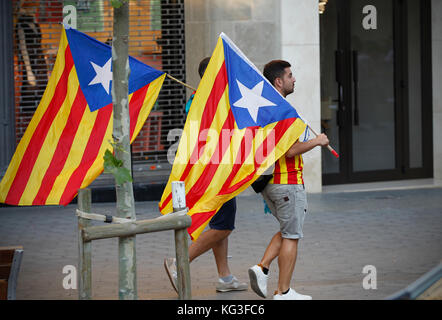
(224, 219)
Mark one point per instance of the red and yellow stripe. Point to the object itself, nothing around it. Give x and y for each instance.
(62, 149)
(214, 166)
(288, 170)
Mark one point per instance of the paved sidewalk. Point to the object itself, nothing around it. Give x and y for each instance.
(399, 232)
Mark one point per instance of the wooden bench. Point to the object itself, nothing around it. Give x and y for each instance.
(10, 261)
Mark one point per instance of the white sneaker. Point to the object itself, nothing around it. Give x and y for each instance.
(233, 285)
(291, 295)
(258, 281)
(170, 266)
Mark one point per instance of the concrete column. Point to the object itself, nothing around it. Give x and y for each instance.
(436, 31)
(253, 25)
(300, 47)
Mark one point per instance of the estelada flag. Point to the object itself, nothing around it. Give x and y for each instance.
(238, 125)
(63, 146)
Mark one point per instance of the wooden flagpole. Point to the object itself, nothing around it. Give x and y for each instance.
(311, 129)
(328, 146)
(180, 82)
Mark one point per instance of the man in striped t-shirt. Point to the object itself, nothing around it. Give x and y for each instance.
(286, 197)
(288, 170)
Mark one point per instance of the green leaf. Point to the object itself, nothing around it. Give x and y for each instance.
(122, 176)
(110, 161)
(115, 167)
(116, 3)
(118, 146)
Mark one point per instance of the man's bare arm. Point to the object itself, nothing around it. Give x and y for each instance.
(303, 147)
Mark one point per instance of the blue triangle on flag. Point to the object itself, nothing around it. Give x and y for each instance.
(92, 60)
(253, 100)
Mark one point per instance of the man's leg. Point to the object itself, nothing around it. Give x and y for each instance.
(286, 263)
(206, 241)
(215, 238)
(227, 281)
(220, 250)
(258, 274)
(272, 250)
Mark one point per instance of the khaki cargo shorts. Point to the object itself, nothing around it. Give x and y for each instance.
(288, 203)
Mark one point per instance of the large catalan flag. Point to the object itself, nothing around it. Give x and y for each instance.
(63, 146)
(238, 125)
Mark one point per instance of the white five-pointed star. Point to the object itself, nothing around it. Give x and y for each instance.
(103, 75)
(252, 99)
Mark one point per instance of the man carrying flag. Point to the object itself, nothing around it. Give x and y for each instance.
(63, 146)
(240, 125)
(285, 194)
(239, 129)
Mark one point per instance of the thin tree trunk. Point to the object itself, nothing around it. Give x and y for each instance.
(124, 192)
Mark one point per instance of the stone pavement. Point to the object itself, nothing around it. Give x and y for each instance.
(397, 231)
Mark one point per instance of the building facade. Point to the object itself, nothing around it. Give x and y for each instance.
(31, 37)
(369, 73)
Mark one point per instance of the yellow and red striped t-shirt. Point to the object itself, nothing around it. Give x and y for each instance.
(288, 170)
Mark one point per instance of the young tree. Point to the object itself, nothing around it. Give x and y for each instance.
(120, 165)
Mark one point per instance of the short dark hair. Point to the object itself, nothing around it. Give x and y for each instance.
(203, 65)
(275, 69)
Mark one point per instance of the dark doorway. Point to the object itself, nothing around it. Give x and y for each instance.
(376, 90)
